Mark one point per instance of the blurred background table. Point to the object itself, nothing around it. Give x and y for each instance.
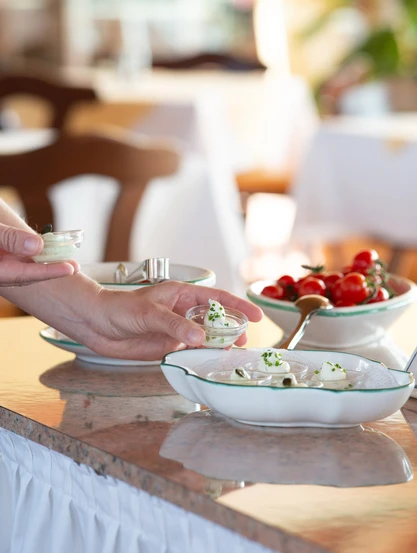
(358, 180)
(238, 133)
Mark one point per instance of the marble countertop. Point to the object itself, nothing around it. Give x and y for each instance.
(292, 490)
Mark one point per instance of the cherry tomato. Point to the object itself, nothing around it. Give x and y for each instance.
(352, 288)
(330, 278)
(286, 280)
(276, 292)
(298, 282)
(312, 285)
(365, 260)
(382, 294)
(320, 276)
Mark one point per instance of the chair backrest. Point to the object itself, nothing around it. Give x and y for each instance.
(210, 59)
(61, 97)
(130, 161)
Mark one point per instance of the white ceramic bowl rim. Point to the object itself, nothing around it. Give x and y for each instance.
(366, 309)
(272, 389)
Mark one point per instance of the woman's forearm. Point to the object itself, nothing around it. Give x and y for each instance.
(67, 303)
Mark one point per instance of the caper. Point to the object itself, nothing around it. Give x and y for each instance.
(46, 228)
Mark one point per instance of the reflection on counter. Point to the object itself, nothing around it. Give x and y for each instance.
(220, 448)
(97, 398)
(106, 380)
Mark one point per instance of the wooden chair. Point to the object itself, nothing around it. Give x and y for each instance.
(61, 97)
(132, 162)
(206, 60)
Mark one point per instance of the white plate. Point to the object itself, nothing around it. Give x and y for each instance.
(61, 341)
(271, 406)
(104, 274)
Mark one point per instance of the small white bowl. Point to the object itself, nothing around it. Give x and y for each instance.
(59, 246)
(103, 273)
(341, 327)
(274, 406)
(219, 337)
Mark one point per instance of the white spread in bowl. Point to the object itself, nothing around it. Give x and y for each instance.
(222, 326)
(59, 246)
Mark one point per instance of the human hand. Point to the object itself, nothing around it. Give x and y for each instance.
(148, 323)
(16, 266)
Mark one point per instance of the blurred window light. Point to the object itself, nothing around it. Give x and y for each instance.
(269, 220)
(271, 35)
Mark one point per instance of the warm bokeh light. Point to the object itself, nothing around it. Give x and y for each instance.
(271, 35)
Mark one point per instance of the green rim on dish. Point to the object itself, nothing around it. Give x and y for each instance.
(51, 340)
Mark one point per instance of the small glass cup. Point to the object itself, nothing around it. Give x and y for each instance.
(59, 246)
(256, 378)
(354, 380)
(216, 337)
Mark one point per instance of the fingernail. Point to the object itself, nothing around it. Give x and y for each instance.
(31, 244)
(195, 336)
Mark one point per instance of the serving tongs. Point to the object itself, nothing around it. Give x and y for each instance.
(153, 270)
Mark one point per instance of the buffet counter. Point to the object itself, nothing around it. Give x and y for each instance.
(108, 459)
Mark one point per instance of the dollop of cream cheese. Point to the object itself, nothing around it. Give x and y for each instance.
(57, 247)
(330, 372)
(216, 316)
(271, 362)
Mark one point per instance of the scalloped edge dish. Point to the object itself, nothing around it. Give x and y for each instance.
(271, 406)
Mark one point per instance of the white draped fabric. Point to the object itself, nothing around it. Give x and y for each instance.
(358, 179)
(50, 504)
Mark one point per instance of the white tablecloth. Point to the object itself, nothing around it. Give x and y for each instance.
(50, 504)
(359, 179)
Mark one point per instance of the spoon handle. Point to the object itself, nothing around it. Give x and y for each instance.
(298, 332)
(411, 365)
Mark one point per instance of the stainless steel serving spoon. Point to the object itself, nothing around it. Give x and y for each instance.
(411, 365)
(154, 269)
(308, 306)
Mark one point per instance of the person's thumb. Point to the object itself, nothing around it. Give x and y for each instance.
(163, 320)
(19, 242)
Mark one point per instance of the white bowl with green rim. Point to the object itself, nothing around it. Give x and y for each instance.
(104, 273)
(268, 405)
(341, 327)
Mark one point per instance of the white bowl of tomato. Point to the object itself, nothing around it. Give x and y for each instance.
(366, 301)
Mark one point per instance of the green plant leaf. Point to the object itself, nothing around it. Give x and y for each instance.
(410, 7)
(381, 47)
